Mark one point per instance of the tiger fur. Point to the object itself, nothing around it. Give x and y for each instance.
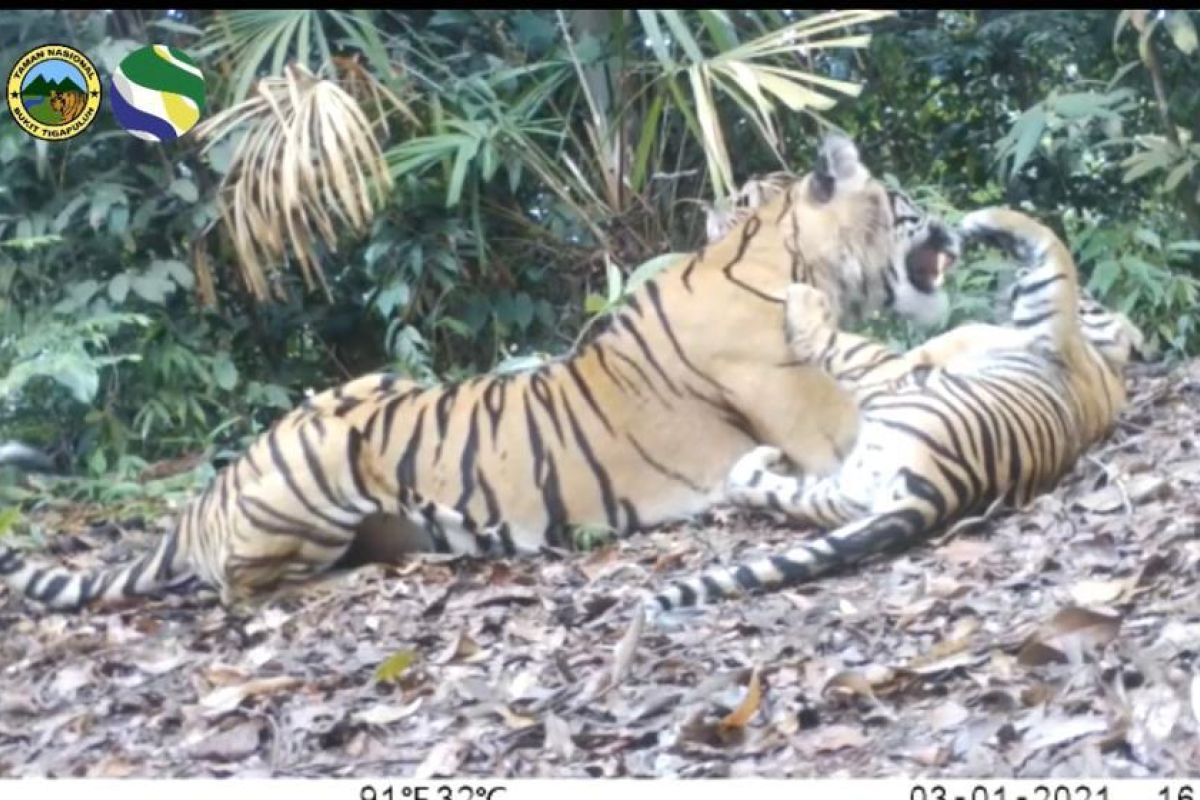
(638, 426)
(979, 414)
(69, 105)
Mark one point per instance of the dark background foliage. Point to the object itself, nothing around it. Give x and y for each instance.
(128, 335)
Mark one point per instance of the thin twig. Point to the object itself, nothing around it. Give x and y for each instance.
(1116, 481)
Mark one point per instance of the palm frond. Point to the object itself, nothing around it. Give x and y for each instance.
(307, 155)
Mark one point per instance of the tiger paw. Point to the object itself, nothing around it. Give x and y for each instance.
(742, 485)
(808, 315)
(1002, 228)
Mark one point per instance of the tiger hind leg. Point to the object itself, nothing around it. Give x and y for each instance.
(296, 501)
(911, 508)
(756, 481)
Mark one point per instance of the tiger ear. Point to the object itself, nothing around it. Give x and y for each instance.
(838, 166)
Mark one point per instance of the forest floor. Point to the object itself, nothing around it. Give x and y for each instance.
(1060, 641)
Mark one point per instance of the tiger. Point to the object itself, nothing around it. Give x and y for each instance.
(979, 416)
(68, 105)
(635, 427)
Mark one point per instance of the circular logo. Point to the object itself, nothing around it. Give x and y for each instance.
(54, 92)
(157, 93)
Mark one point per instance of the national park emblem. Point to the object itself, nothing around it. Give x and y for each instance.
(54, 92)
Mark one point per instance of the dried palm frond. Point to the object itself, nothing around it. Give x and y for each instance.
(206, 287)
(306, 165)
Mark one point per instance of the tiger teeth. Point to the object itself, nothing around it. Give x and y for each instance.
(942, 264)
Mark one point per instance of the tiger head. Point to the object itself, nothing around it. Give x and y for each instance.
(68, 105)
(865, 245)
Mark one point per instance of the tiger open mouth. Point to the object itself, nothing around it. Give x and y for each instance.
(928, 263)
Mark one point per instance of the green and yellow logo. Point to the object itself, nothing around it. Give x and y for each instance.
(54, 92)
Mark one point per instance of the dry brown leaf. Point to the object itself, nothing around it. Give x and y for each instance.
(1155, 711)
(1195, 697)
(70, 679)
(832, 738)
(219, 674)
(1059, 730)
(227, 698)
(514, 720)
(233, 744)
(1100, 592)
(740, 716)
(442, 761)
(1108, 500)
(112, 767)
(944, 587)
(558, 736)
(948, 715)
(462, 648)
(851, 683)
(945, 649)
(930, 756)
(627, 647)
(385, 714)
(964, 551)
(1073, 631)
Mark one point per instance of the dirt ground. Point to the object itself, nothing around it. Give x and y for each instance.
(1060, 641)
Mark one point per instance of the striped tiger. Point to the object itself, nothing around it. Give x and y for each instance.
(980, 414)
(638, 426)
(69, 105)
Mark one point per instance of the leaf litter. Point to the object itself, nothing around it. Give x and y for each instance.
(1059, 641)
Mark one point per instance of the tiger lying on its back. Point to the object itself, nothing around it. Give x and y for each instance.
(979, 413)
(639, 426)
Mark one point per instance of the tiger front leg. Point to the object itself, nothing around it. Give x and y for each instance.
(757, 481)
(809, 322)
(860, 365)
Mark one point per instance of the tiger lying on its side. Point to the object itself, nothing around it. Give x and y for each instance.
(639, 426)
(980, 413)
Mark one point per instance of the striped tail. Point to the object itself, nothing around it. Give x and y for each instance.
(1046, 294)
(64, 589)
(918, 513)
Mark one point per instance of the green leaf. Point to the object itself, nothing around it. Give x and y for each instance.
(1028, 130)
(177, 270)
(184, 189)
(1176, 175)
(8, 517)
(176, 27)
(151, 287)
(680, 30)
(1183, 33)
(523, 363)
(97, 462)
(648, 269)
(1148, 237)
(395, 294)
(225, 373)
(1079, 104)
(594, 304)
(450, 17)
(1104, 276)
(1145, 162)
(392, 667)
(615, 281)
(64, 217)
(523, 310)
(118, 287)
